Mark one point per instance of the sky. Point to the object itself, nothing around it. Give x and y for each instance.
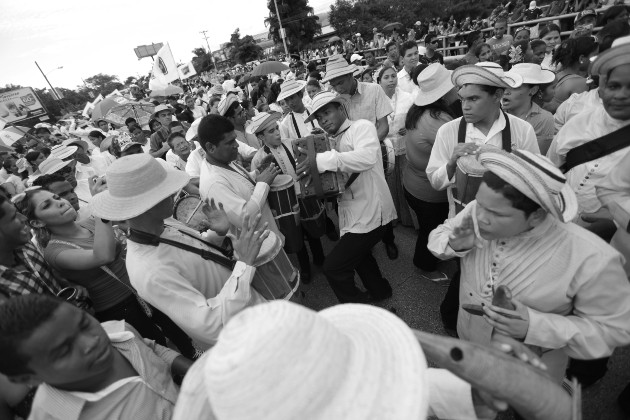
(91, 37)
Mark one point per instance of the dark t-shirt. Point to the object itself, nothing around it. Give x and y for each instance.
(531, 14)
(437, 58)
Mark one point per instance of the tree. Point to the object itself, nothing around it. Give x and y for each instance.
(243, 50)
(103, 83)
(301, 25)
(202, 61)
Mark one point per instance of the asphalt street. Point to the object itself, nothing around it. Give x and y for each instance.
(417, 301)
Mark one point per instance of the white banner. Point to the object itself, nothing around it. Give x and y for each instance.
(186, 70)
(164, 67)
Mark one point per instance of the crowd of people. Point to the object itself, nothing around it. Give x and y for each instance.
(171, 251)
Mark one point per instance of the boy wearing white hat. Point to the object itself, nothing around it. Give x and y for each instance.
(293, 126)
(200, 293)
(570, 292)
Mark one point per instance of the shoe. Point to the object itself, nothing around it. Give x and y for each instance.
(385, 294)
(305, 277)
(436, 276)
(392, 251)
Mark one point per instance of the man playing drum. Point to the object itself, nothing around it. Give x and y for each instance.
(569, 287)
(265, 127)
(480, 89)
(198, 294)
(365, 207)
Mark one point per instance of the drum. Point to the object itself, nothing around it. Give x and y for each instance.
(275, 276)
(313, 216)
(327, 184)
(389, 156)
(286, 210)
(188, 211)
(467, 180)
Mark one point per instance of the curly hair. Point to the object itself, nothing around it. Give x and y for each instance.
(572, 49)
(26, 206)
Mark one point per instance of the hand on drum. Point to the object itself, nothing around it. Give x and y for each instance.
(463, 236)
(269, 174)
(303, 168)
(217, 218)
(249, 239)
(463, 149)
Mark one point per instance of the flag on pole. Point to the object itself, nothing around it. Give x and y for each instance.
(186, 70)
(164, 67)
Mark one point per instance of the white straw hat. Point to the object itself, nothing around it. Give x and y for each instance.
(337, 66)
(61, 152)
(532, 74)
(262, 121)
(354, 57)
(192, 131)
(290, 87)
(225, 103)
(135, 184)
(52, 165)
(535, 176)
(485, 73)
(615, 56)
(283, 361)
(323, 98)
(161, 108)
(434, 82)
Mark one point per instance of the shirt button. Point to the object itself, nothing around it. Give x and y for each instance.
(581, 185)
(494, 264)
(586, 177)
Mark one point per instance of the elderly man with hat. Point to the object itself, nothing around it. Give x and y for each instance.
(518, 233)
(159, 146)
(169, 264)
(595, 141)
(365, 207)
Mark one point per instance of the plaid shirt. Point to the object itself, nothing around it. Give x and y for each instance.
(31, 275)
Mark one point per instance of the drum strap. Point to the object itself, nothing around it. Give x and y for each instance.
(154, 240)
(312, 158)
(506, 134)
(290, 156)
(297, 130)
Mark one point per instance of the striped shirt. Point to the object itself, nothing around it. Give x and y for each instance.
(572, 282)
(149, 396)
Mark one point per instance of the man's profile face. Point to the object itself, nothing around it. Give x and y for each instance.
(70, 351)
(615, 93)
(64, 190)
(496, 216)
(14, 231)
(342, 84)
(227, 149)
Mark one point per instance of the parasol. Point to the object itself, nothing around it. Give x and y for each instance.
(246, 77)
(269, 67)
(167, 91)
(140, 111)
(12, 134)
(334, 39)
(392, 26)
(103, 107)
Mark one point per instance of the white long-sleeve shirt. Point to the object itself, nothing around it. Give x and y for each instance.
(367, 203)
(199, 295)
(572, 282)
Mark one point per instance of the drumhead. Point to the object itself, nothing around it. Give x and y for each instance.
(269, 249)
(185, 207)
(281, 182)
(470, 165)
(389, 156)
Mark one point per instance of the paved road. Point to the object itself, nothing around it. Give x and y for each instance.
(417, 302)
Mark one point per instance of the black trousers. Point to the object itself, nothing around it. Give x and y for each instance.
(353, 252)
(388, 235)
(430, 216)
(315, 244)
(449, 308)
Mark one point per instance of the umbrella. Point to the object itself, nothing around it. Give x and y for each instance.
(12, 134)
(268, 67)
(140, 111)
(245, 78)
(392, 26)
(103, 107)
(334, 39)
(167, 91)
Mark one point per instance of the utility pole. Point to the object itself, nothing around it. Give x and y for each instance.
(54, 91)
(209, 50)
(282, 34)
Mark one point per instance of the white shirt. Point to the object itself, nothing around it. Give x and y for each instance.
(197, 156)
(367, 204)
(175, 161)
(576, 103)
(584, 127)
(199, 295)
(287, 128)
(405, 83)
(228, 84)
(523, 137)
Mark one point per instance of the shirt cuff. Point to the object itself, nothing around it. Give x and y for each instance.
(449, 396)
(326, 161)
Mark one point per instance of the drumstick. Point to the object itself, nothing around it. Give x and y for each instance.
(525, 388)
(194, 211)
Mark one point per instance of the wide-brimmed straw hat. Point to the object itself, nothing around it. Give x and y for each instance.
(135, 184)
(290, 87)
(535, 176)
(216, 90)
(337, 66)
(262, 121)
(617, 55)
(161, 108)
(485, 73)
(323, 98)
(22, 165)
(52, 165)
(192, 130)
(283, 361)
(225, 103)
(532, 74)
(81, 143)
(61, 152)
(434, 82)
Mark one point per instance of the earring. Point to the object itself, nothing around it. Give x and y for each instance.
(539, 94)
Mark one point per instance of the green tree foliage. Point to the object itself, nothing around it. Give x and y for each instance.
(242, 50)
(103, 83)
(202, 61)
(298, 21)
